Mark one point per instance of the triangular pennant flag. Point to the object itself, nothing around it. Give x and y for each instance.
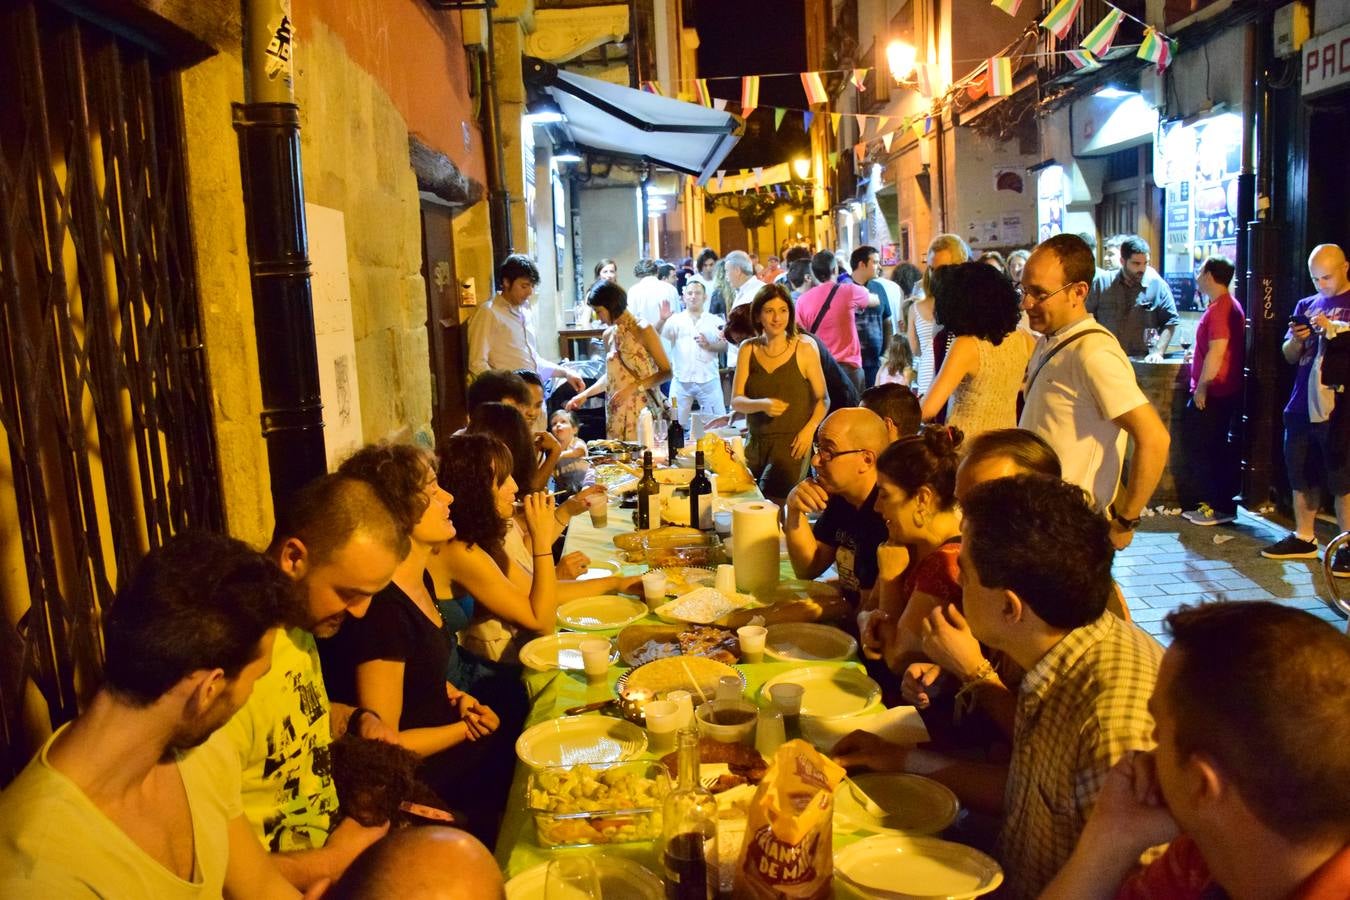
(923, 79)
(778, 113)
(719, 103)
(882, 123)
(917, 126)
(807, 118)
(834, 158)
(858, 79)
(862, 123)
(1099, 39)
(834, 121)
(815, 88)
(860, 151)
(886, 140)
(701, 91)
(1156, 48)
(721, 174)
(1082, 59)
(1000, 76)
(1008, 6)
(1061, 17)
(652, 87)
(759, 175)
(749, 94)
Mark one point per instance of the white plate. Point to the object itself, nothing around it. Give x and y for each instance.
(831, 691)
(794, 641)
(895, 867)
(620, 879)
(558, 651)
(914, 805)
(599, 570)
(600, 613)
(584, 739)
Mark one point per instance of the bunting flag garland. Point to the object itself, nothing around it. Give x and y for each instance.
(1099, 39)
(807, 118)
(701, 91)
(721, 174)
(1155, 49)
(1000, 76)
(815, 88)
(882, 123)
(923, 79)
(759, 175)
(749, 94)
(862, 123)
(834, 121)
(978, 86)
(1061, 17)
(1082, 59)
(886, 140)
(652, 87)
(778, 113)
(719, 103)
(860, 151)
(834, 158)
(857, 79)
(1008, 6)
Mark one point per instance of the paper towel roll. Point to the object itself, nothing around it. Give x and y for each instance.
(754, 545)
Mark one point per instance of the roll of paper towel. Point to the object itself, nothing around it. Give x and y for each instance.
(754, 545)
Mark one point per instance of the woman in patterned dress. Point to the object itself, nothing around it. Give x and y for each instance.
(635, 364)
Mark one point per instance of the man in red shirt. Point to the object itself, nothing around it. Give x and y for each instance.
(1250, 781)
(826, 311)
(1216, 393)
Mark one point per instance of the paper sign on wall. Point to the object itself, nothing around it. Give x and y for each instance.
(333, 332)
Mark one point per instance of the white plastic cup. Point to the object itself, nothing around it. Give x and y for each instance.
(654, 587)
(722, 522)
(685, 702)
(787, 698)
(663, 722)
(595, 658)
(725, 581)
(752, 642)
(729, 687)
(598, 506)
(770, 732)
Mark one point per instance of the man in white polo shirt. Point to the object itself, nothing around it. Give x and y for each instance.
(695, 339)
(1080, 390)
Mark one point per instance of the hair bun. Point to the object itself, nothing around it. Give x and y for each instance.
(942, 440)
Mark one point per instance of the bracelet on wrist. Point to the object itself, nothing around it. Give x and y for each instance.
(984, 673)
(357, 713)
(545, 553)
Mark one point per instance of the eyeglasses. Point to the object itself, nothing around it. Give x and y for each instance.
(1039, 297)
(826, 455)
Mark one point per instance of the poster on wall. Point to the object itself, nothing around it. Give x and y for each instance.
(1052, 191)
(333, 332)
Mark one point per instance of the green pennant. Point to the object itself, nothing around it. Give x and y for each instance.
(834, 158)
(778, 113)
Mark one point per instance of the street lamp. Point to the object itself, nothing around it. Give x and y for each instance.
(901, 58)
(787, 219)
(802, 167)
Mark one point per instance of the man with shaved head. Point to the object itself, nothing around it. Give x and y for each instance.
(844, 491)
(1313, 452)
(423, 864)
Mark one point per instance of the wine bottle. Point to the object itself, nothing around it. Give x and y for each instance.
(689, 830)
(695, 421)
(675, 432)
(648, 496)
(700, 497)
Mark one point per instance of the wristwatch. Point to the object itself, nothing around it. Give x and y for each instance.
(1127, 524)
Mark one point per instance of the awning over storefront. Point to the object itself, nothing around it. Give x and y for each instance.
(613, 120)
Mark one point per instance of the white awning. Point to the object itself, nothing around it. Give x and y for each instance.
(613, 120)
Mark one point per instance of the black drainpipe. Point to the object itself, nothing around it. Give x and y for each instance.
(278, 249)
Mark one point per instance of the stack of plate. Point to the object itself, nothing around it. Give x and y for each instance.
(895, 867)
(583, 739)
(600, 613)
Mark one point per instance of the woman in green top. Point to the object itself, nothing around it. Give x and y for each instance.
(781, 388)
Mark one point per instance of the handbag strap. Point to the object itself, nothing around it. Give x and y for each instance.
(1026, 391)
(824, 308)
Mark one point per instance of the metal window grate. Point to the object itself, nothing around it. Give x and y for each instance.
(105, 411)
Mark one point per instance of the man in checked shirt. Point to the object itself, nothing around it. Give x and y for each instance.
(1035, 577)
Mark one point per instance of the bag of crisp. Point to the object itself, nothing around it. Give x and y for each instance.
(788, 850)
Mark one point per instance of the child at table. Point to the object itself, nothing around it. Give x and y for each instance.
(573, 471)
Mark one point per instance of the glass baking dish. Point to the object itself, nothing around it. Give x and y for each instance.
(582, 805)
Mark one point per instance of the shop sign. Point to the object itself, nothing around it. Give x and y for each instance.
(1326, 62)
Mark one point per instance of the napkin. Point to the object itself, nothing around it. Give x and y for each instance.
(900, 725)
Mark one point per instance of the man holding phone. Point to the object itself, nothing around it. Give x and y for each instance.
(1311, 453)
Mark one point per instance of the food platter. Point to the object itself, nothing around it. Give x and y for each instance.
(583, 739)
(683, 579)
(601, 613)
(694, 674)
(914, 805)
(898, 867)
(557, 651)
(620, 879)
(640, 644)
(702, 606)
(830, 691)
(793, 641)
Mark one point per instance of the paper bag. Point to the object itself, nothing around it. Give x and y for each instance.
(788, 850)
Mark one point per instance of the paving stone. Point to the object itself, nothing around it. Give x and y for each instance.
(1133, 580)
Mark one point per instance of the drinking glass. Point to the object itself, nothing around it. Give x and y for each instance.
(572, 878)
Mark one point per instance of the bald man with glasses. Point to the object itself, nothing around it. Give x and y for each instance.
(1080, 392)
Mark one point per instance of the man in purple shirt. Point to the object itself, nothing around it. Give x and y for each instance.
(1312, 452)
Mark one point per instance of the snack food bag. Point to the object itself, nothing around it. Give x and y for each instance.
(788, 850)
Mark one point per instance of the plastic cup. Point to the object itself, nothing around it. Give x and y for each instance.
(752, 642)
(595, 658)
(722, 522)
(685, 702)
(726, 579)
(654, 587)
(787, 698)
(598, 507)
(770, 732)
(729, 687)
(663, 722)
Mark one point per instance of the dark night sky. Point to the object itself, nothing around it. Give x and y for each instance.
(749, 37)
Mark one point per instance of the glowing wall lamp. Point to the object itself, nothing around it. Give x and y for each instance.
(802, 166)
(901, 58)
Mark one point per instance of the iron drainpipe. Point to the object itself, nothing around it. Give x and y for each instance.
(499, 198)
(1262, 299)
(268, 126)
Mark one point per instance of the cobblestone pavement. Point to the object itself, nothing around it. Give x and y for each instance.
(1171, 562)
